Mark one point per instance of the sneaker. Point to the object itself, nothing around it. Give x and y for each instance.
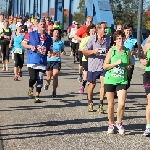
(81, 90)
(90, 107)
(30, 93)
(79, 79)
(37, 100)
(3, 69)
(100, 109)
(54, 94)
(147, 131)
(7, 69)
(16, 78)
(110, 129)
(20, 73)
(120, 128)
(46, 86)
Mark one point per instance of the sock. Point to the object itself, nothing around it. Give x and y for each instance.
(47, 82)
(80, 75)
(148, 125)
(90, 101)
(84, 83)
(30, 89)
(3, 65)
(101, 102)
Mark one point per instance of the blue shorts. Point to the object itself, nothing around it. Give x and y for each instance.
(53, 65)
(92, 76)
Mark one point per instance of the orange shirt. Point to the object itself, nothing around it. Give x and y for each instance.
(82, 31)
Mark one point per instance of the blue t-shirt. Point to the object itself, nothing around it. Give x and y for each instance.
(56, 49)
(12, 27)
(17, 47)
(144, 42)
(130, 43)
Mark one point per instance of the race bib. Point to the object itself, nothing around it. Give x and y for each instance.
(41, 49)
(118, 72)
(102, 52)
(55, 54)
(18, 50)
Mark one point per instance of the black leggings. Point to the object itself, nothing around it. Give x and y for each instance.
(75, 47)
(36, 76)
(19, 60)
(5, 52)
(130, 73)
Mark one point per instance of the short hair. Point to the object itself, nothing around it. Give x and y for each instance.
(89, 17)
(99, 25)
(128, 26)
(117, 34)
(89, 28)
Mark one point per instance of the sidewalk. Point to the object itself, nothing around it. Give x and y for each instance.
(63, 123)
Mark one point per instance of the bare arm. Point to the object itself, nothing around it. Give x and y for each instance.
(25, 45)
(90, 52)
(77, 38)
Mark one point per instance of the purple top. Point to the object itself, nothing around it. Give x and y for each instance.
(95, 62)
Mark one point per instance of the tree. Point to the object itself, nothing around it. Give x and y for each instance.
(80, 15)
(126, 11)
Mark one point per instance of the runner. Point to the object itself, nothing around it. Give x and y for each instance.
(18, 51)
(90, 32)
(145, 60)
(74, 43)
(130, 43)
(116, 63)
(79, 35)
(54, 62)
(5, 35)
(96, 49)
(37, 43)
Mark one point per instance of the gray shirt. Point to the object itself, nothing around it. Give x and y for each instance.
(95, 62)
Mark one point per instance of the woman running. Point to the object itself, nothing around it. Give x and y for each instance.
(18, 51)
(118, 60)
(5, 36)
(54, 62)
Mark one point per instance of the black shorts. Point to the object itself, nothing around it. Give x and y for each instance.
(80, 54)
(113, 88)
(85, 65)
(146, 82)
(19, 60)
(53, 65)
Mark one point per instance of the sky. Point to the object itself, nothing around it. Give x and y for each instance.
(66, 4)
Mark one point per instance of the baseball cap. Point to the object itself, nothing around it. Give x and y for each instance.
(73, 22)
(19, 24)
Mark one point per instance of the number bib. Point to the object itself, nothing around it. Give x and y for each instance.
(118, 72)
(41, 49)
(55, 54)
(102, 52)
(18, 50)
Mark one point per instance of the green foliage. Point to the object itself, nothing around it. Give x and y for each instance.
(79, 16)
(126, 12)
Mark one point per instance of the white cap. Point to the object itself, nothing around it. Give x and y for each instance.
(19, 24)
(73, 22)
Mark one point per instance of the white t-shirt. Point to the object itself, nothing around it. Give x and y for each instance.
(72, 33)
(1, 25)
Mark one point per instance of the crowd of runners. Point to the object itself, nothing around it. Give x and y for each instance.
(102, 54)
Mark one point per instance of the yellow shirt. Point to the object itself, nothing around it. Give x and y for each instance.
(82, 45)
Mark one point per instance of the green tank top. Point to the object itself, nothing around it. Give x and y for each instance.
(147, 68)
(118, 74)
